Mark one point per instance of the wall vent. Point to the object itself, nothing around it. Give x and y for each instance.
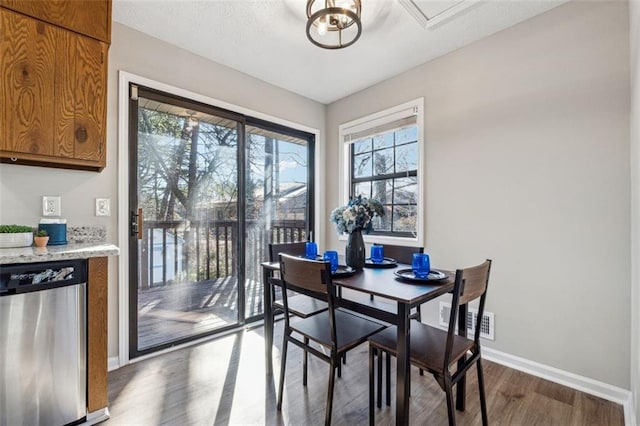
(487, 325)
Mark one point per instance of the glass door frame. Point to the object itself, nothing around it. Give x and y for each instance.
(310, 210)
(134, 91)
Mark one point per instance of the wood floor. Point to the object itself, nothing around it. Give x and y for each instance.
(223, 383)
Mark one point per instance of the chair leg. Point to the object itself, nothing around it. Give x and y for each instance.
(419, 318)
(483, 402)
(344, 358)
(339, 368)
(304, 363)
(451, 408)
(388, 379)
(283, 365)
(332, 374)
(379, 392)
(371, 384)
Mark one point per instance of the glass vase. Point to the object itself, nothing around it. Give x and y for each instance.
(355, 250)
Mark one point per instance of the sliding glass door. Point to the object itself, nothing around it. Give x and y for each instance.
(209, 190)
(279, 203)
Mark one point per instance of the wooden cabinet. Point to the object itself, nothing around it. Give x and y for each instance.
(54, 93)
(97, 386)
(89, 17)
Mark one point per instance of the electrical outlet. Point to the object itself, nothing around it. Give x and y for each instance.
(51, 206)
(103, 207)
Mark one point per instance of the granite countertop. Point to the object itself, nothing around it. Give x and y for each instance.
(62, 252)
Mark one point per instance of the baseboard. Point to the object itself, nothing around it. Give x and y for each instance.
(97, 416)
(113, 363)
(565, 378)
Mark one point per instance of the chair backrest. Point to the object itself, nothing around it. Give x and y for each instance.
(470, 283)
(309, 277)
(304, 274)
(286, 248)
(474, 282)
(402, 254)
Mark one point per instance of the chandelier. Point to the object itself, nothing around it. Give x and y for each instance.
(334, 26)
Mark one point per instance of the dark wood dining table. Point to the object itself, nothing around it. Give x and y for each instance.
(380, 283)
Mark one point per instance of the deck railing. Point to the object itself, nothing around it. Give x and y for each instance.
(173, 250)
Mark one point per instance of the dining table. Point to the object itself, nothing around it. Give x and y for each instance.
(382, 283)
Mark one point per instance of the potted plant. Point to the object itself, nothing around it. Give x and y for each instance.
(15, 236)
(42, 238)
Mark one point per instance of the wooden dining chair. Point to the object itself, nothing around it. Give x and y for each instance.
(299, 304)
(401, 254)
(334, 329)
(438, 351)
(404, 254)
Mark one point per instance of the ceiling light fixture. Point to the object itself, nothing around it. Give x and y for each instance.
(336, 25)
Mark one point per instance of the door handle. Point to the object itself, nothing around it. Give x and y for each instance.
(136, 224)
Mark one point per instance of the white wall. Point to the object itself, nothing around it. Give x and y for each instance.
(527, 163)
(634, 36)
(21, 187)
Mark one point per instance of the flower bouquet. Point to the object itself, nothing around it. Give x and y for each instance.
(354, 218)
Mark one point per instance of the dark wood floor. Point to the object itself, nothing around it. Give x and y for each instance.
(223, 382)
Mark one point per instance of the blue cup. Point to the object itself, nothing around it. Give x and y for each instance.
(311, 250)
(377, 253)
(331, 256)
(421, 265)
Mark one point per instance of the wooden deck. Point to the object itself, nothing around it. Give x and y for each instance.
(173, 312)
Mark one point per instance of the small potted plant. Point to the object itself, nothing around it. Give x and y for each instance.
(41, 238)
(15, 236)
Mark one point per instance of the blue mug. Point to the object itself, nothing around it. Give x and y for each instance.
(331, 256)
(377, 253)
(311, 250)
(421, 265)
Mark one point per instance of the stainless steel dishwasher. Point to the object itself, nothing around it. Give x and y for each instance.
(43, 373)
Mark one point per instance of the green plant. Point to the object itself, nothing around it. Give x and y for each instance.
(14, 229)
(41, 233)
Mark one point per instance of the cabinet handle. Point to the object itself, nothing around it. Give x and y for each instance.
(81, 134)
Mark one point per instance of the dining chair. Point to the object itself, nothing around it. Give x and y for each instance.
(299, 304)
(404, 254)
(334, 330)
(436, 350)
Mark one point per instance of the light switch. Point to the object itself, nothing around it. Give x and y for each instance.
(103, 207)
(51, 206)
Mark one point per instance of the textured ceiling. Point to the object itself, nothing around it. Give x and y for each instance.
(266, 38)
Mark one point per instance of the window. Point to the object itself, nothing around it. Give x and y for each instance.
(382, 161)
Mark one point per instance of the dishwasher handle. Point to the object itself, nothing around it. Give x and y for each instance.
(29, 277)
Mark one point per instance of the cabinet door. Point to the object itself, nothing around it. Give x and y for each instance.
(28, 68)
(88, 17)
(90, 99)
(53, 94)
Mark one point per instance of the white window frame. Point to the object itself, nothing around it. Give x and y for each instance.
(380, 118)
